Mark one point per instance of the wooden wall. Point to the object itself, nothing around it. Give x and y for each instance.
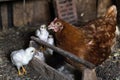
(32, 12)
(86, 10)
(35, 12)
(20, 13)
(117, 3)
(103, 5)
(4, 16)
(90, 9)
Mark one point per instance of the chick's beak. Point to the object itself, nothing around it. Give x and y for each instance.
(36, 51)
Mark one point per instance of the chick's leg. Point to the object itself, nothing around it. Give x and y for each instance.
(19, 72)
(42, 48)
(24, 70)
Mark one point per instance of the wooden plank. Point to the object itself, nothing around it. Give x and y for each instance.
(66, 10)
(10, 14)
(102, 7)
(4, 16)
(0, 18)
(18, 18)
(65, 53)
(117, 2)
(41, 12)
(15, 0)
(25, 13)
(5, 0)
(88, 73)
(86, 10)
(28, 12)
(47, 72)
(31, 12)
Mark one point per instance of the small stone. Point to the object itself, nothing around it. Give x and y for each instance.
(116, 54)
(17, 33)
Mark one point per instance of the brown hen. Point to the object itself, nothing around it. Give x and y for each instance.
(91, 42)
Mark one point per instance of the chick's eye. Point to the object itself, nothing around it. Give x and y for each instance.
(32, 51)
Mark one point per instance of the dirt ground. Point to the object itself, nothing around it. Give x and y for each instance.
(17, 38)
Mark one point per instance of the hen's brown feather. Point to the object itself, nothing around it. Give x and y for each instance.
(92, 42)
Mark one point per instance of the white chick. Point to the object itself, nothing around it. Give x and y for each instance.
(42, 33)
(40, 56)
(22, 57)
(50, 40)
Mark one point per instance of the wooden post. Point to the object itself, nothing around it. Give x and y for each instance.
(0, 18)
(117, 2)
(10, 14)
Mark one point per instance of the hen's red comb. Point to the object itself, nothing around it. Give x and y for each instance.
(55, 19)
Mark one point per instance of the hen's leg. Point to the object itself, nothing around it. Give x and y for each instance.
(24, 70)
(89, 74)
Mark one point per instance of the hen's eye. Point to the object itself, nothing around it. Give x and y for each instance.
(58, 24)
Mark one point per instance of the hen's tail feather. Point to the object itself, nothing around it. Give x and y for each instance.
(111, 12)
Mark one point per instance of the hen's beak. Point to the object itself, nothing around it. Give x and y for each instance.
(49, 27)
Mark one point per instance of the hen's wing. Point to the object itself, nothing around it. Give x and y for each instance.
(100, 36)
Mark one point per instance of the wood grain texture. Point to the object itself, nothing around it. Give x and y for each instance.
(31, 12)
(46, 71)
(103, 5)
(86, 10)
(65, 53)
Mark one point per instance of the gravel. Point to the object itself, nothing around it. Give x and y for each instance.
(17, 38)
